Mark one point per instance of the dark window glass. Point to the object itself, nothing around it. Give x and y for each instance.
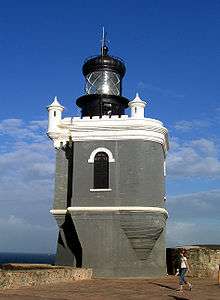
(101, 171)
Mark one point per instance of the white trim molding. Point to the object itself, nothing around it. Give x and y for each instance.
(104, 209)
(117, 209)
(101, 149)
(109, 129)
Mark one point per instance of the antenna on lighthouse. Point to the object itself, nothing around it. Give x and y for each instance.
(104, 48)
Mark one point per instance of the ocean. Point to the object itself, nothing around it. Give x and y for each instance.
(34, 258)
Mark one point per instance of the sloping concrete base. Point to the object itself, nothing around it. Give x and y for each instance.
(18, 275)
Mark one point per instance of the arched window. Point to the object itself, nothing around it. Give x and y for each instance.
(101, 158)
(101, 170)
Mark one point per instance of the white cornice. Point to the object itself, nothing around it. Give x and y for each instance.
(106, 128)
(103, 209)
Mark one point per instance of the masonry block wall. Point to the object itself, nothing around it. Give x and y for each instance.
(204, 260)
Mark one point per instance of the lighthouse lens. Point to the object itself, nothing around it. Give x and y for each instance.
(103, 82)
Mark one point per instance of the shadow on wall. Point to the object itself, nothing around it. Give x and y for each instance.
(71, 240)
(69, 157)
(173, 262)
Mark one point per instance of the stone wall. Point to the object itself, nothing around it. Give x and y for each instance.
(16, 277)
(204, 261)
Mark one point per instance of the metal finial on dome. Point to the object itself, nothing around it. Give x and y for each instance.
(104, 48)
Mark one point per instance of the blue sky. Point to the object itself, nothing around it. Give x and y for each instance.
(172, 55)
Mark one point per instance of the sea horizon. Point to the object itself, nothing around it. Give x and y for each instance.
(25, 257)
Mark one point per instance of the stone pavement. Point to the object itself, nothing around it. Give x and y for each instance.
(125, 289)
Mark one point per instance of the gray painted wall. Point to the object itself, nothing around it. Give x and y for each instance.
(63, 177)
(113, 251)
(61, 180)
(136, 176)
(136, 179)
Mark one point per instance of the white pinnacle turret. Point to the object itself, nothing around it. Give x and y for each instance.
(137, 107)
(55, 110)
(55, 104)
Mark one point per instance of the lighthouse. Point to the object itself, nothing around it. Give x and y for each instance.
(109, 200)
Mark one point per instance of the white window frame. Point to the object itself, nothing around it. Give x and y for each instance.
(110, 159)
(101, 149)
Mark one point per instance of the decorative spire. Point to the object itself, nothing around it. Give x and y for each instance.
(55, 110)
(55, 103)
(56, 99)
(137, 99)
(137, 107)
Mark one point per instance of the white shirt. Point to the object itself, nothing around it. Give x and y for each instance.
(183, 262)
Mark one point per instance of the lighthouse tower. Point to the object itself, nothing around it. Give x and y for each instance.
(110, 178)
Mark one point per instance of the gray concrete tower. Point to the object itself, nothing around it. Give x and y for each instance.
(110, 178)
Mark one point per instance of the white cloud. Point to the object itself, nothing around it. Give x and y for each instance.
(206, 147)
(17, 129)
(165, 92)
(26, 186)
(26, 159)
(192, 233)
(204, 204)
(18, 235)
(7, 124)
(38, 124)
(198, 158)
(191, 125)
(28, 153)
(194, 218)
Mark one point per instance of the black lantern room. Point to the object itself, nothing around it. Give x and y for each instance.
(103, 86)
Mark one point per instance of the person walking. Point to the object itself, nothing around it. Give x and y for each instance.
(184, 268)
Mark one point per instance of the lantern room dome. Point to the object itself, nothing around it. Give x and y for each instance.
(103, 85)
(104, 62)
